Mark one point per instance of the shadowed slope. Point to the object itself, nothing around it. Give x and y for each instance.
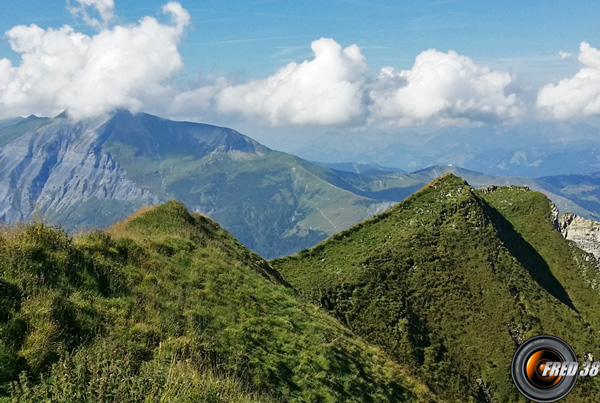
(528, 257)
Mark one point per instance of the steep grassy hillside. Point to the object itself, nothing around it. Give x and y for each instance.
(452, 280)
(167, 306)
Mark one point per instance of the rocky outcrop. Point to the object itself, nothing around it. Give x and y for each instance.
(585, 233)
(56, 168)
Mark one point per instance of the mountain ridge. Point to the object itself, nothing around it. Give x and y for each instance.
(167, 306)
(430, 299)
(143, 159)
(94, 172)
(452, 280)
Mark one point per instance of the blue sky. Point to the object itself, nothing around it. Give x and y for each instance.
(520, 35)
(303, 66)
(254, 38)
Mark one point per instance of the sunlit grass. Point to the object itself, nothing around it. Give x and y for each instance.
(167, 306)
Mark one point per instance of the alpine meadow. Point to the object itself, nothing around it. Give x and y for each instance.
(304, 202)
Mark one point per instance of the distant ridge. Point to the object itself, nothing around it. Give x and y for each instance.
(360, 167)
(94, 172)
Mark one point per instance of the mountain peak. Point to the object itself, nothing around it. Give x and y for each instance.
(157, 137)
(448, 179)
(169, 217)
(448, 187)
(170, 226)
(449, 255)
(63, 115)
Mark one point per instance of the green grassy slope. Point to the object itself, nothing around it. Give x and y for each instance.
(271, 201)
(167, 306)
(528, 217)
(451, 281)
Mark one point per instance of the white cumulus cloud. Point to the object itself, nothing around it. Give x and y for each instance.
(126, 66)
(326, 90)
(577, 96)
(120, 67)
(334, 88)
(443, 88)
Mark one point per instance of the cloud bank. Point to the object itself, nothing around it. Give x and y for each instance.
(327, 90)
(443, 88)
(119, 67)
(334, 88)
(127, 66)
(578, 96)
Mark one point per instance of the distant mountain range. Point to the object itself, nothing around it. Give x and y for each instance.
(526, 150)
(94, 172)
(359, 167)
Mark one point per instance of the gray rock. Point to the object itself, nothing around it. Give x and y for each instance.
(585, 233)
(56, 168)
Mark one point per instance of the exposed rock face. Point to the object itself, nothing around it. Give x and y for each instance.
(58, 167)
(585, 233)
(555, 215)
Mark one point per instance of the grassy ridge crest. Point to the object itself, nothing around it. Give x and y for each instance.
(167, 306)
(451, 281)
